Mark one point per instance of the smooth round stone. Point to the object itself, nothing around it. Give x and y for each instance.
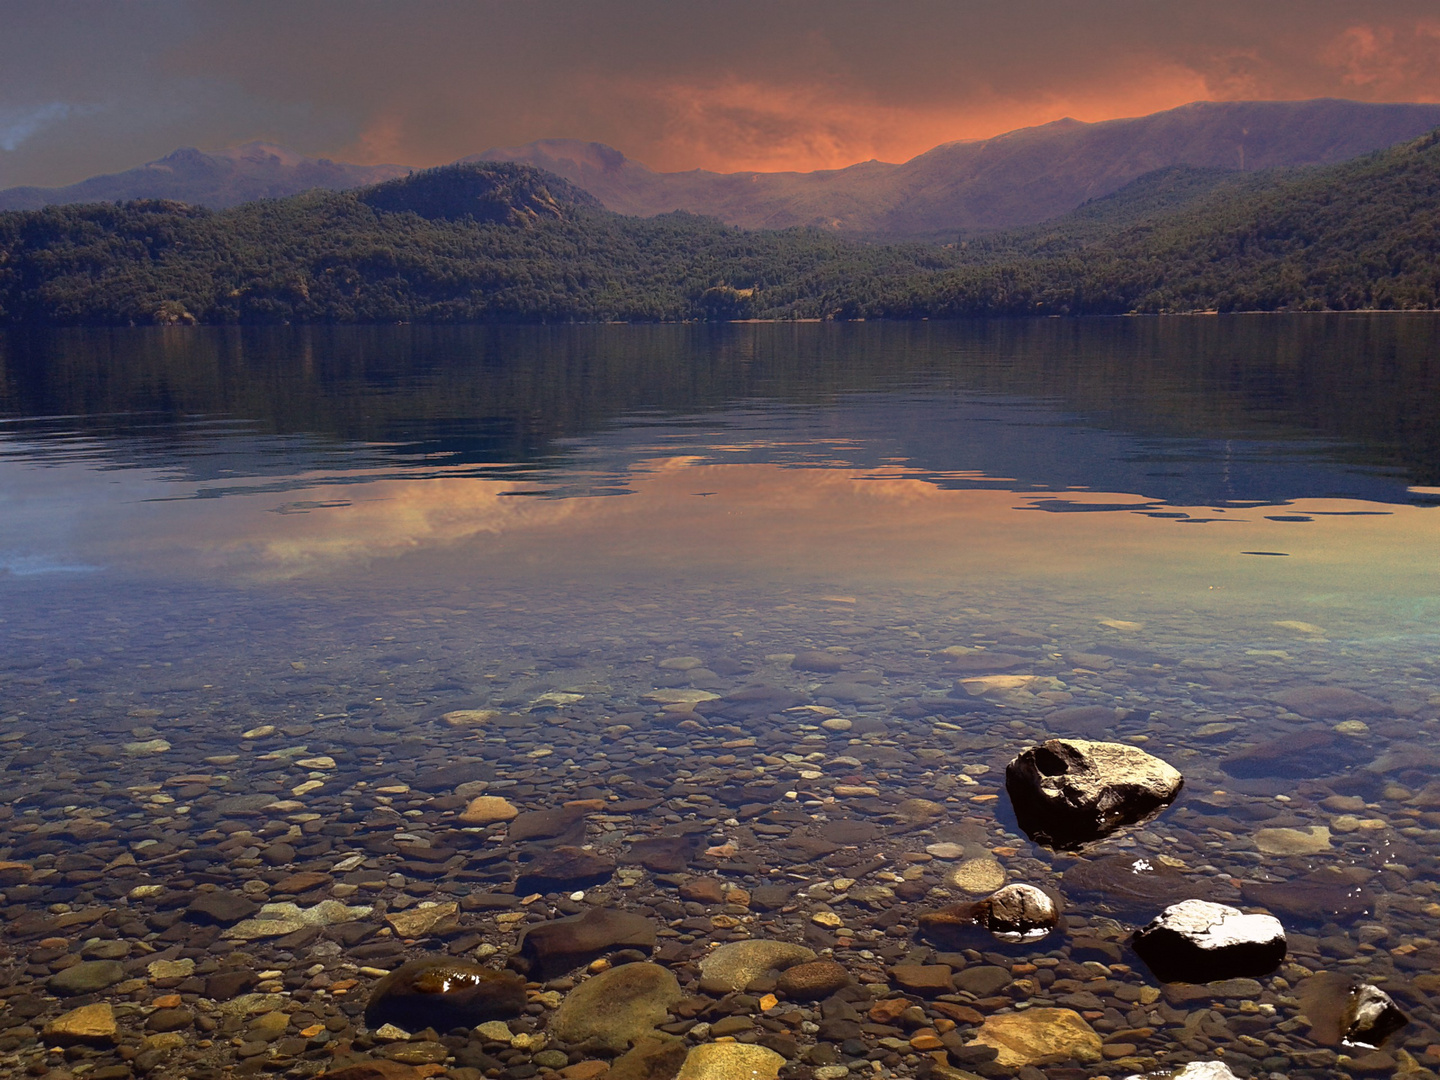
(1040, 1037)
(488, 809)
(463, 718)
(836, 723)
(444, 992)
(93, 1025)
(731, 1061)
(86, 977)
(617, 1007)
(739, 963)
(1308, 841)
(945, 851)
(813, 980)
(979, 877)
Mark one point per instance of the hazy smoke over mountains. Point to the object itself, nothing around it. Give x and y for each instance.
(93, 87)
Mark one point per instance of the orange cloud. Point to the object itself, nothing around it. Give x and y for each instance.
(732, 125)
(1387, 59)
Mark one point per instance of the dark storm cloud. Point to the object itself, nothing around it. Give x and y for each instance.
(88, 87)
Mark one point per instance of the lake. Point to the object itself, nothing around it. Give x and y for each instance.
(427, 636)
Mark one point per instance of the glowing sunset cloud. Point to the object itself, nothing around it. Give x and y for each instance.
(95, 86)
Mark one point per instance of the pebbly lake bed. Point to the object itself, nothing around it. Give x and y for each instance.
(329, 649)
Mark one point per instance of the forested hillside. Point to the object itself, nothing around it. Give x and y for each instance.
(509, 243)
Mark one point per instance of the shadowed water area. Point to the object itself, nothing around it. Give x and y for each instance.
(330, 649)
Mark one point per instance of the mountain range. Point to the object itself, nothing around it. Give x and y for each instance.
(1016, 179)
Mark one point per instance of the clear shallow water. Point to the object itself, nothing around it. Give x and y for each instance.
(1211, 535)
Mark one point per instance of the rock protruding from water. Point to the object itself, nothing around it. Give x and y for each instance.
(1198, 941)
(553, 948)
(616, 1008)
(1342, 1011)
(1015, 913)
(1195, 1070)
(444, 992)
(1371, 1017)
(1070, 791)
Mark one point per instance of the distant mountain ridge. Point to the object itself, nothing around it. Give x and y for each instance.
(1017, 179)
(217, 179)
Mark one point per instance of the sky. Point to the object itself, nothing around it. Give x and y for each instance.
(93, 86)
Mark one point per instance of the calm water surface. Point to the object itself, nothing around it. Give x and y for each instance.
(749, 587)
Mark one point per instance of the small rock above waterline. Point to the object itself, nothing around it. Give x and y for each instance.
(1372, 1017)
(1069, 791)
(1195, 1070)
(444, 992)
(1016, 912)
(1198, 941)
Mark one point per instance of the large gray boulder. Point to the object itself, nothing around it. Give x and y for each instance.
(1067, 792)
(1197, 941)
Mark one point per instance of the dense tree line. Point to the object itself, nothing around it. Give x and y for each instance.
(506, 243)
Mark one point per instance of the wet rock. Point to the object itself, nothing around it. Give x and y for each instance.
(86, 977)
(663, 854)
(813, 980)
(553, 948)
(703, 890)
(1329, 702)
(220, 908)
(927, 980)
(1331, 892)
(977, 876)
(1299, 756)
(545, 824)
(377, 1069)
(444, 992)
(1198, 941)
(1039, 1036)
(488, 809)
(1090, 721)
(1343, 1011)
(735, 965)
(564, 869)
(982, 980)
(1016, 912)
(1307, 841)
(1068, 791)
(617, 1007)
(92, 1025)
(649, 1059)
(731, 1061)
(1130, 882)
(1195, 1070)
(1371, 1017)
(423, 919)
(823, 662)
